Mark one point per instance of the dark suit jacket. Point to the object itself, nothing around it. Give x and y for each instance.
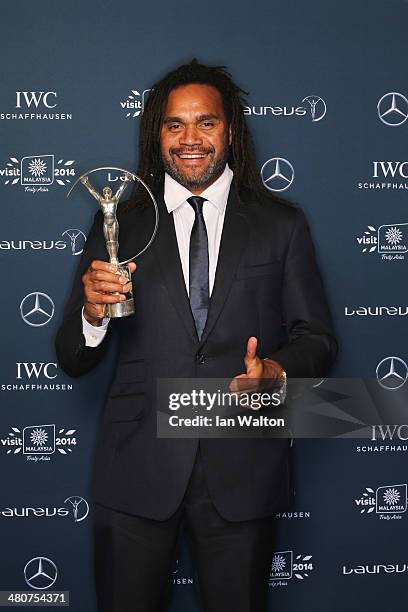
(266, 281)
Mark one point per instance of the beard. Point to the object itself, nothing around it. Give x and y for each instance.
(196, 178)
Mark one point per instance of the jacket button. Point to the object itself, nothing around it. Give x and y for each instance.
(200, 358)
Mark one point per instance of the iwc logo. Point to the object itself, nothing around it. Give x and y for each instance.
(37, 106)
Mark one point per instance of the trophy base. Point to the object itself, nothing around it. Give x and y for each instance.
(120, 309)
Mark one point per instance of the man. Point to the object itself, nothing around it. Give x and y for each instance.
(231, 269)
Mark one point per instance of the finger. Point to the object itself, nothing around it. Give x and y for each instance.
(250, 355)
(102, 286)
(100, 275)
(107, 298)
(132, 266)
(97, 264)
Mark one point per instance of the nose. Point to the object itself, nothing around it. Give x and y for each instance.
(191, 136)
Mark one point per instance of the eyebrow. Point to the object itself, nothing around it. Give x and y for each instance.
(173, 119)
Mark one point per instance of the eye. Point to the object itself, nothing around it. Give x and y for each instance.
(207, 124)
(174, 126)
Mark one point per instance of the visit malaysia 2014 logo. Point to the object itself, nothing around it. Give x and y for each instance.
(36, 173)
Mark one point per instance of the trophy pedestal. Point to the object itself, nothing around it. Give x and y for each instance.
(127, 307)
(120, 309)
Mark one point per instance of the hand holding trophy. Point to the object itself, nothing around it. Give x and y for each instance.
(109, 203)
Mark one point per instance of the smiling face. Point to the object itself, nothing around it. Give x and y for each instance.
(194, 136)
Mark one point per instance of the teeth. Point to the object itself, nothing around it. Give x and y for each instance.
(194, 156)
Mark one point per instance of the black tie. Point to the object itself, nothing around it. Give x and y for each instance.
(198, 263)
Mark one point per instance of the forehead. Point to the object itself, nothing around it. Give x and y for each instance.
(194, 98)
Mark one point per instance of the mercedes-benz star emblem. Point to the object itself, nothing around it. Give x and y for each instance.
(277, 174)
(317, 107)
(77, 240)
(80, 507)
(40, 573)
(37, 309)
(392, 373)
(393, 109)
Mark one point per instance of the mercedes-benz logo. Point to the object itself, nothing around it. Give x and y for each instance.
(392, 373)
(277, 174)
(37, 309)
(317, 107)
(77, 240)
(40, 573)
(80, 507)
(393, 109)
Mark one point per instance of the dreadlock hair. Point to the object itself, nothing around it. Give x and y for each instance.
(241, 158)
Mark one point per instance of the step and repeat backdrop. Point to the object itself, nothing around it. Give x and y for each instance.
(328, 106)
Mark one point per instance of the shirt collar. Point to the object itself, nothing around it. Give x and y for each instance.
(176, 194)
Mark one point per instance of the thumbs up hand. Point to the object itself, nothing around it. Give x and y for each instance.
(260, 373)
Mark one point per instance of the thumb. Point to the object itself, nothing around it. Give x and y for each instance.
(250, 355)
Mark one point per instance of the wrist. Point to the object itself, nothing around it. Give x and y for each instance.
(92, 320)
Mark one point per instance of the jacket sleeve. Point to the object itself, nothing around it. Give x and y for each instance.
(311, 347)
(74, 357)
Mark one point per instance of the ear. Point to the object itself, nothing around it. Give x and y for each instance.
(229, 136)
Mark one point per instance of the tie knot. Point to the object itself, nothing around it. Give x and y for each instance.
(197, 204)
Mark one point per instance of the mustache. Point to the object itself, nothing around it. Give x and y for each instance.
(184, 150)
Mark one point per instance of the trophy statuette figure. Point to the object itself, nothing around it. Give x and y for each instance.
(108, 203)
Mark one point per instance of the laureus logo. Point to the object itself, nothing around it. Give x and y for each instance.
(312, 106)
(77, 240)
(75, 506)
(73, 242)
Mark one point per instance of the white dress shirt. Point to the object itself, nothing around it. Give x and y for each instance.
(175, 197)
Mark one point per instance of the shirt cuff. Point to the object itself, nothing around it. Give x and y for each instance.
(94, 335)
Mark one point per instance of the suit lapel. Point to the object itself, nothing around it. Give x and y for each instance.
(166, 250)
(233, 241)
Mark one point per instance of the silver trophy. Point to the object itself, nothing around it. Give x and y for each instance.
(109, 203)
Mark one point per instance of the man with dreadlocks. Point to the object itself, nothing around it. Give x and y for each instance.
(230, 289)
